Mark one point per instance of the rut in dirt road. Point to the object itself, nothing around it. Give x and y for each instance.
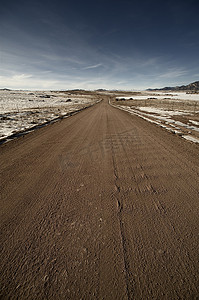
(102, 205)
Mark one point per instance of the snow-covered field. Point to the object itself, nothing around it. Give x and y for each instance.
(23, 110)
(163, 96)
(175, 112)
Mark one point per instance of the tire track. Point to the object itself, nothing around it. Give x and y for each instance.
(161, 210)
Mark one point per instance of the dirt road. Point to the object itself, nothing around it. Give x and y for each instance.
(102, 205)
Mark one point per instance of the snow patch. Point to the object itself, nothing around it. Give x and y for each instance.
(194, 122)
(162, 111)
(191, 138)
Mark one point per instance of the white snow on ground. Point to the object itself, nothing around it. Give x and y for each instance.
(191, 138)
(168, 119)
(162, 111)
(137, 97)
(194, 122)
(22, 110)
(162, 96)
(18, 100)
(177, 112)
(169, 124)
(178, 96)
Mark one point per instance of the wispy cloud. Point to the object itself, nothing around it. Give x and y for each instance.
(92, 67)
(173, 73)
(21, 77)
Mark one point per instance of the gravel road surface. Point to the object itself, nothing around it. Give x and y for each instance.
(101, 205)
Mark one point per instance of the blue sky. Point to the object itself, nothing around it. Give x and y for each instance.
(87, 44)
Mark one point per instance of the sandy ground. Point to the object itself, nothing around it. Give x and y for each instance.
(101, 205)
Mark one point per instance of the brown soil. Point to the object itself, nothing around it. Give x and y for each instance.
(102, 205)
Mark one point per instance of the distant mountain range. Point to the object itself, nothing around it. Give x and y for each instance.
(190, 87)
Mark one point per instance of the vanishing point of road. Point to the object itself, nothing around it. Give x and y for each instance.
(101, 205)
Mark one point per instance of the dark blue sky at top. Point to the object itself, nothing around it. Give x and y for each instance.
(98, 44)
